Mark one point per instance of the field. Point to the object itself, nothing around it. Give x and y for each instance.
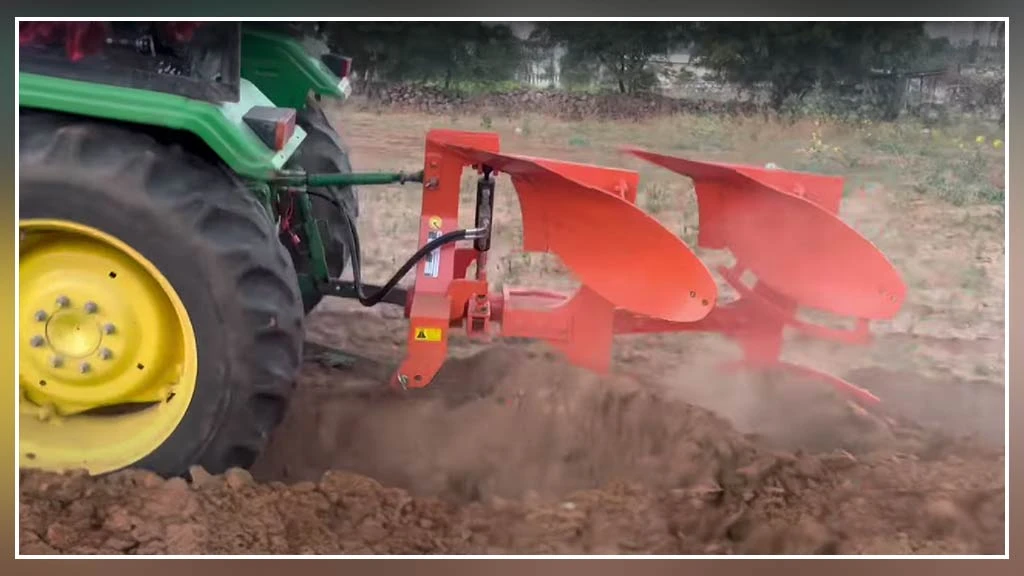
(511, 451)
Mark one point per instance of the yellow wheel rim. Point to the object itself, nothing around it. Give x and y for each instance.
(108, 358)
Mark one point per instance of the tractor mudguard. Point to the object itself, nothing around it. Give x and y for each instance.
(285, 71)
(220, 126)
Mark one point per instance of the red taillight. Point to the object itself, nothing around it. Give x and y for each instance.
(274, 126)
(284, 129)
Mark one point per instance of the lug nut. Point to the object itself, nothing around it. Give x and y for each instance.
(40, 316)
(37, 341)
(56, 361)
(108, 328)
(106, 354)
(63, 301)
(90, 307)
(84, 367)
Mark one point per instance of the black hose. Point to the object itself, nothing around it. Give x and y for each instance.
(355, 252)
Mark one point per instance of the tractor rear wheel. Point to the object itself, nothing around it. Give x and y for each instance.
(161, 321)
(324, 151)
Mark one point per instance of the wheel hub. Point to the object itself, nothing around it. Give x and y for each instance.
(100, 328)
(75, 358)
(71, 338)
(73, 333)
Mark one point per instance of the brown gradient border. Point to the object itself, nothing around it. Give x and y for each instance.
(323, 8)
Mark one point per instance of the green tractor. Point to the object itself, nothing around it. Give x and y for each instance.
(172, 236)
(185, 202)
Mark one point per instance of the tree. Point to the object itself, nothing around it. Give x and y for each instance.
(444, 52)
(371, 45)
(791, 58)
(621, 49)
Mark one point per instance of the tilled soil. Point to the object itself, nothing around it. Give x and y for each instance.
(510, 451)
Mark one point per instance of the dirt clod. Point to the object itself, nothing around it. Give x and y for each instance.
(622, 470)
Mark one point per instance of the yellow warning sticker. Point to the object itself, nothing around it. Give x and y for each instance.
(428, 334)
(435, 222)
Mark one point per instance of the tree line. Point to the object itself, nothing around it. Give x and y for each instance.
(785, 60)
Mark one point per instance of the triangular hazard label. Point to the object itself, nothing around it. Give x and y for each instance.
(421, 335)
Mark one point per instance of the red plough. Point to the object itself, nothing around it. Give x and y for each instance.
(636, 275)
(784, 228)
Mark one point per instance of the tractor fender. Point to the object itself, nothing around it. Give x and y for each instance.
(219, 125)
(283, 69)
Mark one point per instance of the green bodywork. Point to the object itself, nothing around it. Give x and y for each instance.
(220, 126)
(276, 70)
(284, 70)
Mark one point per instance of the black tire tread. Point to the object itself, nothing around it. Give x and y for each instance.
(226, 221)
